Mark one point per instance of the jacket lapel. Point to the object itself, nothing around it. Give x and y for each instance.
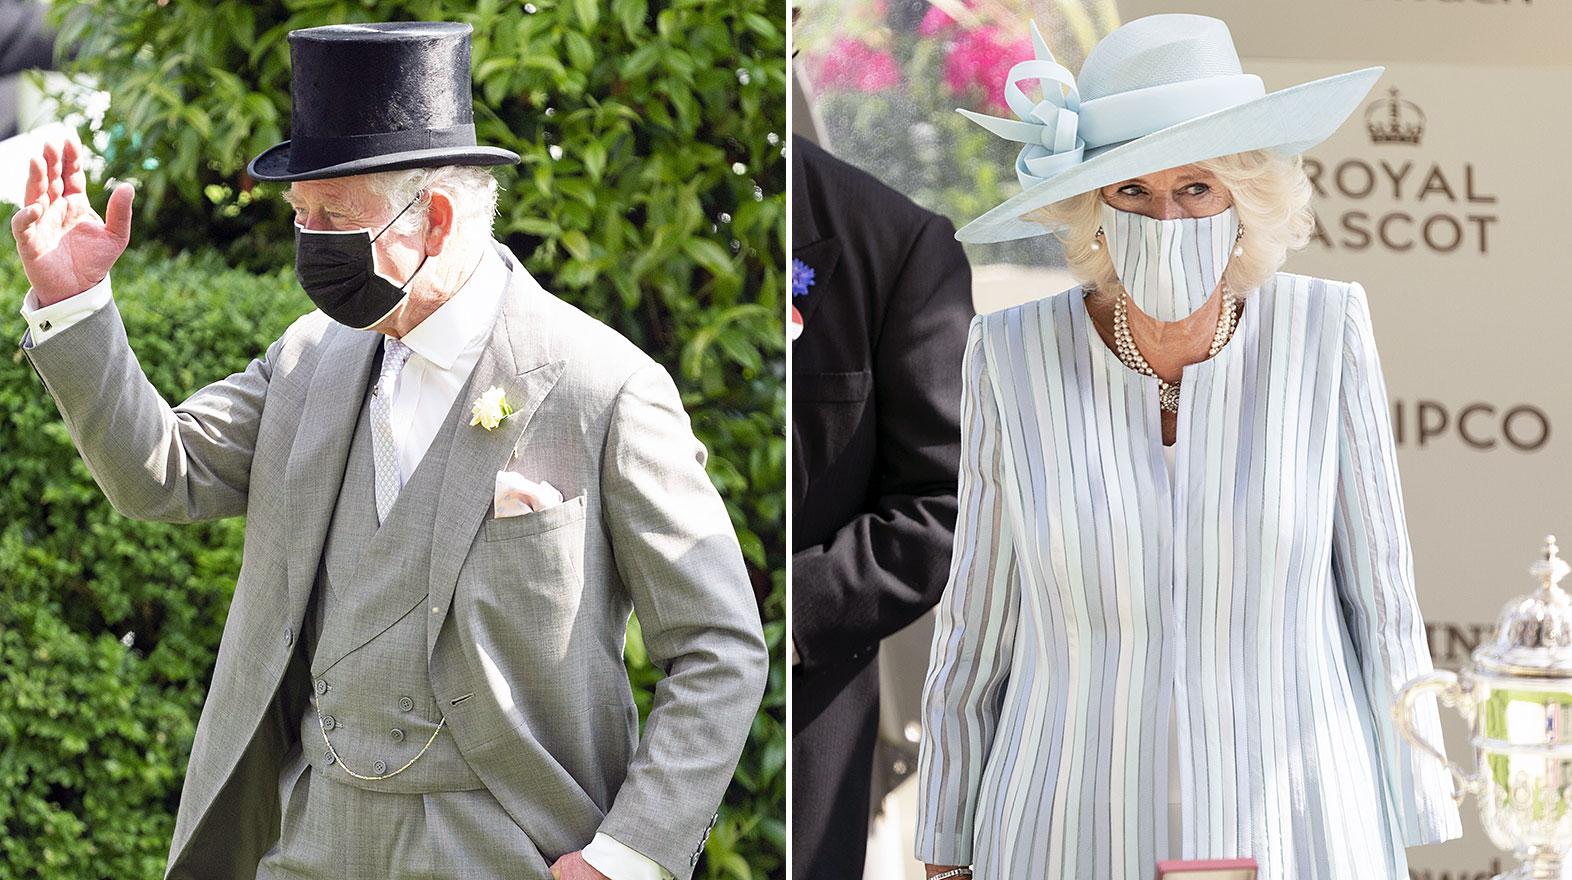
(821, 256)
(321, 451)
(813, 242)
(515, 358)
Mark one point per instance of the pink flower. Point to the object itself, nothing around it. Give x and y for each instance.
(854, 66)
(980, 60)
(936, 22)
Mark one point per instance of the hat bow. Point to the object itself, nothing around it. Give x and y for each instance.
(1049, 128)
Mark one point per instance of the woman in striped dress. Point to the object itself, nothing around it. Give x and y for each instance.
(1181, 597)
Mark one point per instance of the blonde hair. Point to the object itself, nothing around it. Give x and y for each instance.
(1271, 196)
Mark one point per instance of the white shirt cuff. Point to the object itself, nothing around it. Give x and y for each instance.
(619, 862)
(44, 322)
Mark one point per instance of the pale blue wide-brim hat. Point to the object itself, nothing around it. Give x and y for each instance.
(1159, 92)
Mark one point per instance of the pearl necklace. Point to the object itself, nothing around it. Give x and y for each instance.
(1130, 355)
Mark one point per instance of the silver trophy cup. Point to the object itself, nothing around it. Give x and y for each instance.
(1517, 699)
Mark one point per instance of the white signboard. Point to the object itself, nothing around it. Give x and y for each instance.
(1455, 31)
(1438, 198)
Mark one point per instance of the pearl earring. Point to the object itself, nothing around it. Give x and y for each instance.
(1097, 241)
(1239, 248)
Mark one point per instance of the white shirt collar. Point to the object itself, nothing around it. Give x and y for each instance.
(465, 318)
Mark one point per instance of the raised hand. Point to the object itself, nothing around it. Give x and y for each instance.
(65, 247)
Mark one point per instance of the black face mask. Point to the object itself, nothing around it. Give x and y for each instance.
(338, 271)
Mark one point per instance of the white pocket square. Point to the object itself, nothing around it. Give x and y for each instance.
(518, 495)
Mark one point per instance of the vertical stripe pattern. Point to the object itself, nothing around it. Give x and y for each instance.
(1169, 267)
(1264, 596)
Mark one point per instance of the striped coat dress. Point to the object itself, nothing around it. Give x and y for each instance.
(1266, 598)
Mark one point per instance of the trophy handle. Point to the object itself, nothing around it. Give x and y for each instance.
(1450, 692)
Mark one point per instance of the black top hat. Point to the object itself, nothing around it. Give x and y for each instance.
(378, 97)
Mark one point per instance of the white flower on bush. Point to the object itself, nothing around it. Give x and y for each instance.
(490, 409)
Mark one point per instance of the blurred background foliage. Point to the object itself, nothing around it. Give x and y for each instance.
(651, 194)
(886, 77)
(95, 731)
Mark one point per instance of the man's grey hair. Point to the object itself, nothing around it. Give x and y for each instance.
(473, 189)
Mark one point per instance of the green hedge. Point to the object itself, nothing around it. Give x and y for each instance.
(651, 194)
(94, 734)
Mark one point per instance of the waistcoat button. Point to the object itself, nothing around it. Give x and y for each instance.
(322, 686)
(379, 767)
(398, 735)
(406, 704)
(289, 636)
(328, 755)
(328, 723)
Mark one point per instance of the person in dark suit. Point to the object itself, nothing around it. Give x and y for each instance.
(876, 452)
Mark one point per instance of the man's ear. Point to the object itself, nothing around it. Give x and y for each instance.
(439, 221)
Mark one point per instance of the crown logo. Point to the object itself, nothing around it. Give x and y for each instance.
(1394, 120)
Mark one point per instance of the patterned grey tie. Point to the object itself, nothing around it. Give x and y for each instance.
(384, 451)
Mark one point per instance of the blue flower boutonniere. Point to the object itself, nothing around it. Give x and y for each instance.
(801, 277)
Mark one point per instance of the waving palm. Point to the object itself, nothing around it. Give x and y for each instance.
(65, 246)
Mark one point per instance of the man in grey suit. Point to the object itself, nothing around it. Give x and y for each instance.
(451, 512)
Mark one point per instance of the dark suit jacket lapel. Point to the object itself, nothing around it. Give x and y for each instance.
(811, 244)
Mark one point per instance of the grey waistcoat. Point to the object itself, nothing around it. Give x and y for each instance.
(373, 686)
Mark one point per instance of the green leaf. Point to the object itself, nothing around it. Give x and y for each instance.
(580, 54)
(595, 159)
(632, 15)
(541, 226)
(545, 64)
(764, 27)
(711, 256)
(494, 65)
(641, 61)
(577, 244)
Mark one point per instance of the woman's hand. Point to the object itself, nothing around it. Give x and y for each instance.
(65, 247)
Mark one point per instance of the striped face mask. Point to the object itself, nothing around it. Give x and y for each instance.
(1169, 267)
